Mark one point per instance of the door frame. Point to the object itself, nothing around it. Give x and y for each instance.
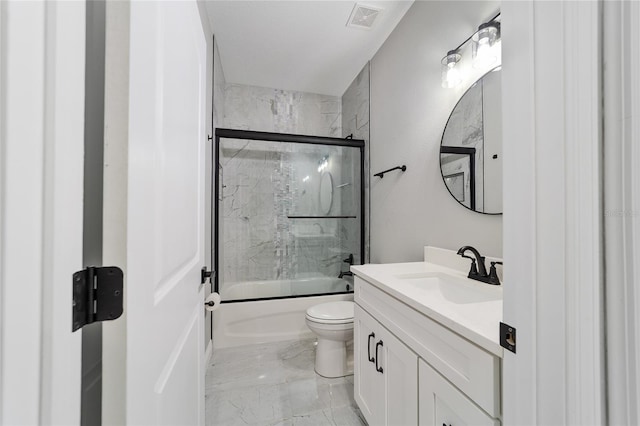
(553, 246)
(42, 66)
(621, 57)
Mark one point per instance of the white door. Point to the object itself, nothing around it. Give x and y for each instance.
(153, 360)
(42, 47)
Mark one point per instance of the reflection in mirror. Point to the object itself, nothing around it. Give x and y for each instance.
(471, 147)
(326, 193)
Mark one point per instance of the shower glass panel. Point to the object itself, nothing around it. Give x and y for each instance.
(289, 215)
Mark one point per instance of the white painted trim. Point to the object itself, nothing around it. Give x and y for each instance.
(208, 353)
(115, 194)
(519, 396)
(552, 232)
(622, 208)
(584, 250)
(41, 142)
(63, 209)
(22, 126)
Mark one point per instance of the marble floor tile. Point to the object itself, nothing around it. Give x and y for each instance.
(275, 384)
(340, 416)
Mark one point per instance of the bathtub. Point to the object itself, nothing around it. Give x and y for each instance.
(262, 321)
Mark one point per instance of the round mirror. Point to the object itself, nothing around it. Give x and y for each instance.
(326, 193)
(471, 147)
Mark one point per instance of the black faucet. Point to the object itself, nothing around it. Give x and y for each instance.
(342, 274)
(479, 273)
(348, 260)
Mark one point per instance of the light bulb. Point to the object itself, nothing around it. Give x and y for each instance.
(482, 50)
(450, 74)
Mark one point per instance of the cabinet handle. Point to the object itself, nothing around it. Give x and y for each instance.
(369, 346)
(379, 369)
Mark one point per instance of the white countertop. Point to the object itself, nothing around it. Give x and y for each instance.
(477, 321)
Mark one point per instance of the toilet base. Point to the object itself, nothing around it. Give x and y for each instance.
(332, 359)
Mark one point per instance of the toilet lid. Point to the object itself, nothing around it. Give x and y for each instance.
(331, 311)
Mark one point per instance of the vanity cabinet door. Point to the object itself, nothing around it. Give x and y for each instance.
(386, 374)
(369, 391)
(441, 404)
(400, 371)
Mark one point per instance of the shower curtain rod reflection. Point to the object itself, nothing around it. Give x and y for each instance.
(221, 133)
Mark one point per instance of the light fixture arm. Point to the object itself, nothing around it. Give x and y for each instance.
(490, 21)
(484, 37)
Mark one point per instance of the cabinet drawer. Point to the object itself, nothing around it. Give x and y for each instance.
(442, 404)
(470, 368)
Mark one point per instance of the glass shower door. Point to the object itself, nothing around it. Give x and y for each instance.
(289, 218)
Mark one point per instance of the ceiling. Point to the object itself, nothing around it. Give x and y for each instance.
(301, 45)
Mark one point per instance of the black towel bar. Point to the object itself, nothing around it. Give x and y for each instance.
(381, 174)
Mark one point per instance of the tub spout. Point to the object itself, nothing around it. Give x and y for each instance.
(342, 274)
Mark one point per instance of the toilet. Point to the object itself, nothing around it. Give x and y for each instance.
(333, 324)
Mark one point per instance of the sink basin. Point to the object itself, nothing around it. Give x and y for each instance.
(455, 290)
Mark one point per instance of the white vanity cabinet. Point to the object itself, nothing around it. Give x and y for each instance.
(430, 374)
(385, 377)
(440, 403)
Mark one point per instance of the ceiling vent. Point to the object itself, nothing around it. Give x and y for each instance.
(363, 16)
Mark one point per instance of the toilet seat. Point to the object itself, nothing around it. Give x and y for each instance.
(331, 313)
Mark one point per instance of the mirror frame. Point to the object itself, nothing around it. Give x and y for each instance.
(464, 151)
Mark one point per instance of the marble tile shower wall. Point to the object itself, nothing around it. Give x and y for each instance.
(355, 120)
(265, 182)
(282, 111)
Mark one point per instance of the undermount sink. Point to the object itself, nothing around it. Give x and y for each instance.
(452, 289)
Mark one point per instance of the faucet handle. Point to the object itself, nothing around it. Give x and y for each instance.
(474, 269)
(349, 259)
(493, 274)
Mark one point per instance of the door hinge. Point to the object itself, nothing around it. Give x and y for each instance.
(508, 337)
(205, 274)
(97, 295)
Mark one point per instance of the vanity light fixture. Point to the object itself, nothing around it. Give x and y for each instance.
(483, 52)
(483, 40)
(450, 73)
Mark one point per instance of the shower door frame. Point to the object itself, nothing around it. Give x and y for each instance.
(223, 133)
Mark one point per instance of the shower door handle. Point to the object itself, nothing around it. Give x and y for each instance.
(369, 347)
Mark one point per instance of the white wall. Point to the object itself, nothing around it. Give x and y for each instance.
(409, 109)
